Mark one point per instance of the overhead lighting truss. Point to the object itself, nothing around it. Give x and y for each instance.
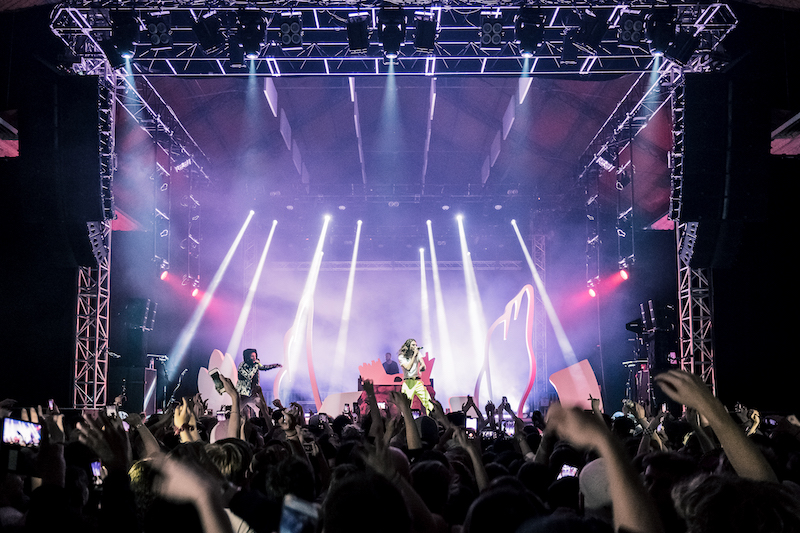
(84, 24)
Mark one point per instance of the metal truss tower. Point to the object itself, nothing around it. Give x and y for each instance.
(541, 386)
(91, 342)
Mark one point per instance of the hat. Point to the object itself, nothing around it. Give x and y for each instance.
(593, 483)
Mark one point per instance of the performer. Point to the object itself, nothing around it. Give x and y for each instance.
(411, 360)
(248, 372)
(389, 366)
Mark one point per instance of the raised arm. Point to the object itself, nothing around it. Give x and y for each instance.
(633, 509)
(744, 456)
(235, 422)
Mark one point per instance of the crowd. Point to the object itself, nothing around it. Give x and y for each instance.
(268, 468)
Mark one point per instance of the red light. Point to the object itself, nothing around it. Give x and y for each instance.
(195, 292)
(592, 292)
(164, 274)
(623, 274)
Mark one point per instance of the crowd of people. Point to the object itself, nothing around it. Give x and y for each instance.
(263, 467)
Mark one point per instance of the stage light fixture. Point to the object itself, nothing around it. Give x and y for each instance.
(491, 33)
(631, 30)
(624, 274)
(291, 31)
(529, 30)
(251, 32)
(358, 32)
(121, 45)
(164, 274)
(425, 31)
(391, 29)
(659, 30)
(207, 30)
(569, 51)
(160, 30)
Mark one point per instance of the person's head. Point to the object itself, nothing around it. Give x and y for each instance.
(232, 457)
(250, 356)
(377, 498)
(388, 357)
(409, 347)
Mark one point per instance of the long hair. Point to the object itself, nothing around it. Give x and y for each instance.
(405, 347)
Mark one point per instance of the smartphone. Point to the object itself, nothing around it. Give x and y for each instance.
(307, 416)
(347, 407)
(487, 434)
(568, 471)
(415, 413)
(21, 433)
(381, 405)
(472, 423)
(214, 375)
(220, 416)
(323, 417)
(508, 425)
(111, 411)
(298, 516)
(50, 404)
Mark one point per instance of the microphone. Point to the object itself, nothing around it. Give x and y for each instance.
(113, 355)
(420, 347)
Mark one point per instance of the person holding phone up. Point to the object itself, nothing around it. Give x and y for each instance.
(248, 372)
(410, 359)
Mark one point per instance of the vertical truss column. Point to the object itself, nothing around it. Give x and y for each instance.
(541, 385)
(696, 319)
(593, 242)
(91, 342)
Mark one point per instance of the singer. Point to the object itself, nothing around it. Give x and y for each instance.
(248, 372)
(411, 360)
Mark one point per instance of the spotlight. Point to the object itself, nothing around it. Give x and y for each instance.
(529, 30)
(291, 31)
(160, 31)
(425, 31)
(445, 207)
(195, 292)
(121, 45)
(491, 31)
(391, 29)
(358, 32)
(631, 30)
(592, 292)
(659, 30)
(164, 274)
(342, 207)
(207, 30)
(251, 31)
(624, 274)
(498, 207)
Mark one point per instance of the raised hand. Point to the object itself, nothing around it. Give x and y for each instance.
(108, 439)
(687, 389)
